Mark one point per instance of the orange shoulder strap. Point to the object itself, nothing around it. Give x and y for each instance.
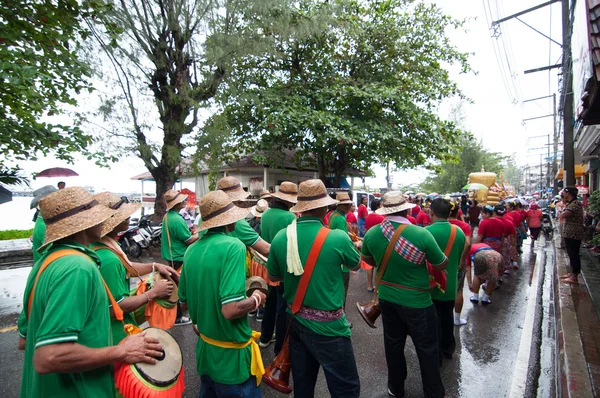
(313, 255)
(388, 253)
(448, 248)
(49, 260)
(116, 309)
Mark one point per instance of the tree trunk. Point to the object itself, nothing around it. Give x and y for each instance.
(163, 183)
(322, 168)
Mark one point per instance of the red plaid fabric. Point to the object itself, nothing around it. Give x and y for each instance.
(403, 247)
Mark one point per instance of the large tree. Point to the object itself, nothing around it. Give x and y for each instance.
(166, 60)
(363, 88)
(40, 75)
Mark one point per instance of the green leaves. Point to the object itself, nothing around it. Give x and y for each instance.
(363, 87)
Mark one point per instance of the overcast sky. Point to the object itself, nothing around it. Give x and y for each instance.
(498, 89)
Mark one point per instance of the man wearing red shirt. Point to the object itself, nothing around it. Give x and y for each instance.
(491, 229)
(423, 218)
(466, 228)
(412, 220)
(510, 241)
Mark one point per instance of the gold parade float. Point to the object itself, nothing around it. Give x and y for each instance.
(495, 191)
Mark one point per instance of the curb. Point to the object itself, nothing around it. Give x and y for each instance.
(573, 378)
(16, 250)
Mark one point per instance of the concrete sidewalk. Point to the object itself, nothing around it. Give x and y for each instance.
(578, 326)
(15, 251)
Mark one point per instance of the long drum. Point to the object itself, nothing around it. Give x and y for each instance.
(162, 379)
(259, 267)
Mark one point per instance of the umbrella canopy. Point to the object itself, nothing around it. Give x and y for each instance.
(57, 172)
(475, 187)
(409, 192)
(456, 195)
(434, 194)
(522, 201)
(421, 194)
(5, 195)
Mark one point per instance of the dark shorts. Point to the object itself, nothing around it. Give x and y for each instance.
(461, 279)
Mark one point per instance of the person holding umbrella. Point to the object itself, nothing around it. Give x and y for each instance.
(39, 230)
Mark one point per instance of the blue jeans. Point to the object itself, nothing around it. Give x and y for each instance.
(211, 389)
(421, 324)
(361, 227)
(308, 350)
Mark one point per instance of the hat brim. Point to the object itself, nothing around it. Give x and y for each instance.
(284, 196)
(255, 213)
(303, 206)
(180, 198)
(237, 194)
(256, 283)
(76, 223)
(345, 202)
(122, 214)
(229, 217)
(395, 209)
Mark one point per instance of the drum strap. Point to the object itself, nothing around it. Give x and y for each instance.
(309, 267)
(166, 220)
(49, 260)
(388, 253)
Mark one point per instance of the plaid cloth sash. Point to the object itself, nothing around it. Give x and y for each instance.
(403, 247)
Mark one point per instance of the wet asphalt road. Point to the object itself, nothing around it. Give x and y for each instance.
(483, 364)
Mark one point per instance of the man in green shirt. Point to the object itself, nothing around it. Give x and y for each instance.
(444, 301)
(176, 237)
(39, 229)
(319, 332)
(65, 324)
(116, 268)
(212, 286)
(243, 231)
(404, 296)
(274, 220)
(337, 220)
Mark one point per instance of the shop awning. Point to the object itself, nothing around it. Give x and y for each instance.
(579, 172)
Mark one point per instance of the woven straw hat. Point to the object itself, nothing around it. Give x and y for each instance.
(265, 194)
(68, 211)
(312, 194)
(343, 198)
(261, 206)
(172, 197)
(41, 193)
(121, 205)
(394, 202)
(233, 188)
(288, 191)
(256, 283)
(217, 210)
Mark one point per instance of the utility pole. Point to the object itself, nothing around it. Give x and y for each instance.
(555, 159)
(569, 150)
(389, 183)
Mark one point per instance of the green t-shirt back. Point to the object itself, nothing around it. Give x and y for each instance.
(402, 272)
(69, 305)
(115, 276)
(326, 288)
(37, 238)
(441, 233)
(274, 220)
(179, 232)
(244, 232)
(214, 274)
(337, 220)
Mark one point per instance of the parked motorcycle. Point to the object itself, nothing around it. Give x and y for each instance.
(128, 243)
(547, 227)
(148, 234)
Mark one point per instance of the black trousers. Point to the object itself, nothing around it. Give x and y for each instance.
(274, 319)
(573, 246)
(176, 265)
(445, 314)
(421, 325)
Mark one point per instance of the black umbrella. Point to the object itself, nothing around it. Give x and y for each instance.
(5, 195)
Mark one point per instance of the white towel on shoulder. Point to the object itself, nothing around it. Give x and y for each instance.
(294, 265)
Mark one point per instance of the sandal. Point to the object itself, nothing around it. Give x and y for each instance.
(371, 290)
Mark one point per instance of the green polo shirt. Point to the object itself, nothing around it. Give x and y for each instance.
(214, 275)
(402, 272)
(179, 232)
(441, 233)
(70, 305)
(274, 220)
(326, 288)
(115, 276)
(37, 239)
(337, 220)
(244, 232)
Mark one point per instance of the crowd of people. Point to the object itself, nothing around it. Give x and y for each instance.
(78, 309)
